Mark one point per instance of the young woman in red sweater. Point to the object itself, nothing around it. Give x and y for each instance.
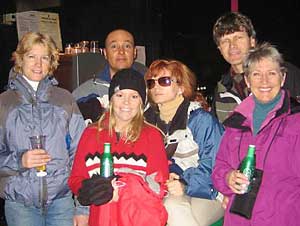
(140, 162)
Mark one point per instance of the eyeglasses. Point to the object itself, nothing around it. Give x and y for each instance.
(162, 81)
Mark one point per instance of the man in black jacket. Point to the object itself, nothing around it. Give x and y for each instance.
(234, 35)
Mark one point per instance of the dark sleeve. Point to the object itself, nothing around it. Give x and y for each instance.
(213, 102)
(91, 109)
(292, 80)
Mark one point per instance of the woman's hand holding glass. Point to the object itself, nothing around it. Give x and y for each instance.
(35, 158)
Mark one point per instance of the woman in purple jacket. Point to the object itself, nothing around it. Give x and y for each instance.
(266, 119)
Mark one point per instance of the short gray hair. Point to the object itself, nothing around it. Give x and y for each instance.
(261, 51)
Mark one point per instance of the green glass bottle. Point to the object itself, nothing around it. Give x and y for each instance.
(248, 165)
(107, 165)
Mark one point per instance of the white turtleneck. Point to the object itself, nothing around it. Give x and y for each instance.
(33, 84)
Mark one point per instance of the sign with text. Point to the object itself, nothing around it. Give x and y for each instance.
(141, 54)
(43, 22)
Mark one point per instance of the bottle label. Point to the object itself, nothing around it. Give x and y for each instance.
(106, 169)
(248, 172)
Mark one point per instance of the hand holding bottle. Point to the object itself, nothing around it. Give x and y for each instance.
(237, 181)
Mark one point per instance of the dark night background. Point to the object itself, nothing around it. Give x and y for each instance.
(168, 28)
(179, 29)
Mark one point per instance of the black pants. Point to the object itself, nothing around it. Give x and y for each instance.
(2, 216)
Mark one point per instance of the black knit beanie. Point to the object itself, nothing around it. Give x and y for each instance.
(128, 79)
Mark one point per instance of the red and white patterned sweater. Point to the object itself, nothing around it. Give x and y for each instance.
(145, 156)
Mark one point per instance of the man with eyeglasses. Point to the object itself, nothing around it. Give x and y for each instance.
(120, 52)
(235, 36)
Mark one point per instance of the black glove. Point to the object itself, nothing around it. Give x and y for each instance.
(96, 190)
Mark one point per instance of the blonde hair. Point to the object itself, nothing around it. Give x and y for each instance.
(133, 130)
(25, 45)
(183, 75)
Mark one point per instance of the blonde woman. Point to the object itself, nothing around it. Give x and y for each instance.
(34, 105)
(140, 160)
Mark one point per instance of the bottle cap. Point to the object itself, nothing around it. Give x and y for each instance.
(106, 147)
(251, 149)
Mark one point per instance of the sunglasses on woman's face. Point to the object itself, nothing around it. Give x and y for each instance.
(162, 81)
